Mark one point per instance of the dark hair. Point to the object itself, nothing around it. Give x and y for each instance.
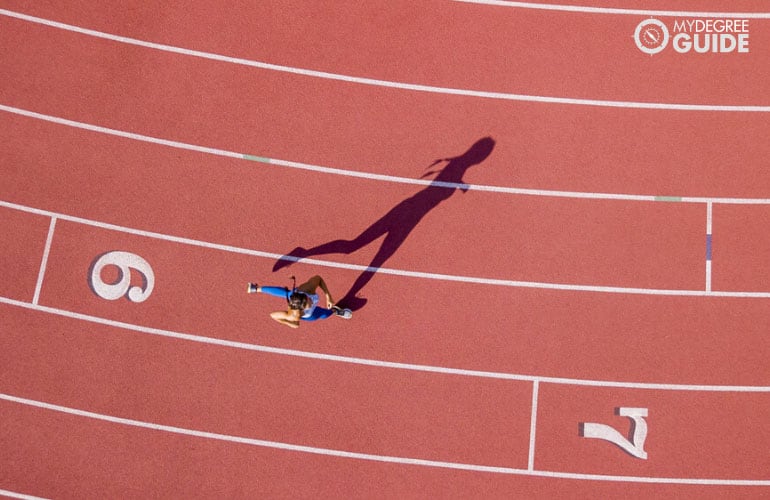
(297, 300)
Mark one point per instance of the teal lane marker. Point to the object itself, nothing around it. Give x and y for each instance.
(668, 198)
(260, 159)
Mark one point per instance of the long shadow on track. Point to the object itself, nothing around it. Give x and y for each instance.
(399, 221)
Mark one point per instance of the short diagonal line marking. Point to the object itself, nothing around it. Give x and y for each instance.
(44, 263)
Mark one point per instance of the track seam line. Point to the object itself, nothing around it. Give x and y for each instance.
(378, 363)
(382, 83)
(373, 176)
(370, 457)
(44, 262)
(616, 11)
(389, 271)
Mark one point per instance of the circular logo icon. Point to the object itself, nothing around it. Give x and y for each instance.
(651, 36)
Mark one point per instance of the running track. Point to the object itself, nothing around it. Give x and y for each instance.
(609, 253)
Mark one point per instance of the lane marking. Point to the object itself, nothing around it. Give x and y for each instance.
(249, 441)
(381, 83)
(372, 176)
(617, 11)
(13, 494)
(533, 427)
(709, 224)
(127, 263)
(378, 363)
(390, 271)
(44, 262)
(260, 159)
(366, 456)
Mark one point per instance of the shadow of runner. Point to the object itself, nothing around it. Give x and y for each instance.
(399, 221)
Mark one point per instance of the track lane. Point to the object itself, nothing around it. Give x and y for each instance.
(266, 396)
(599, 242)
(741, 244)
(191, 387)
(461, 325)
(383, 130)
(701, 6)
(694, 434)
(21, 252)
(448, 44)
(713, 327)
(91, 457)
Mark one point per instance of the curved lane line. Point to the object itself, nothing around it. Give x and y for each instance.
(380, 363)
(618, 11)
(382, 83)
(13, 494)
(373, 176)
(386, 270)
(370, 457)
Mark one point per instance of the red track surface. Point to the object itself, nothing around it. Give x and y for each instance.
(485, 383)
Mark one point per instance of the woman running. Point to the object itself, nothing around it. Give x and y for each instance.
(302, 302)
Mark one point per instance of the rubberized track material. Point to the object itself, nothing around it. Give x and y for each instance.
(555, 246)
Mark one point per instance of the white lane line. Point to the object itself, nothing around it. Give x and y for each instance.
(44, 262)
(533, 427)
(119, 133)
(618, 11)
(382, 83)
(366, 456)
(708, 276)
(389, 271)
(22, 496)
(251, 441)
(377, 177)
(379, 363)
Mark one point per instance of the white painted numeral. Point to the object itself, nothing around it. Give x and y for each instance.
(635, 446)
(124, 261)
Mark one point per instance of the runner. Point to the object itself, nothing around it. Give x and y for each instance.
(302, 302)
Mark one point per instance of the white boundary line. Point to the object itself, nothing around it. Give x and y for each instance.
(533, 427)
(252, 441)
(381, 83)
(378, 177)
(380, 363)
(708, 275)
(391, 271)
(13, 494)
(119, 133)
(371, 457)
(44, 262)
(618, 11)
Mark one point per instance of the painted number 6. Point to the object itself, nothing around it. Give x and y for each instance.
(124, 261)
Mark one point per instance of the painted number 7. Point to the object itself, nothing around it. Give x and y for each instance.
(633, 446)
